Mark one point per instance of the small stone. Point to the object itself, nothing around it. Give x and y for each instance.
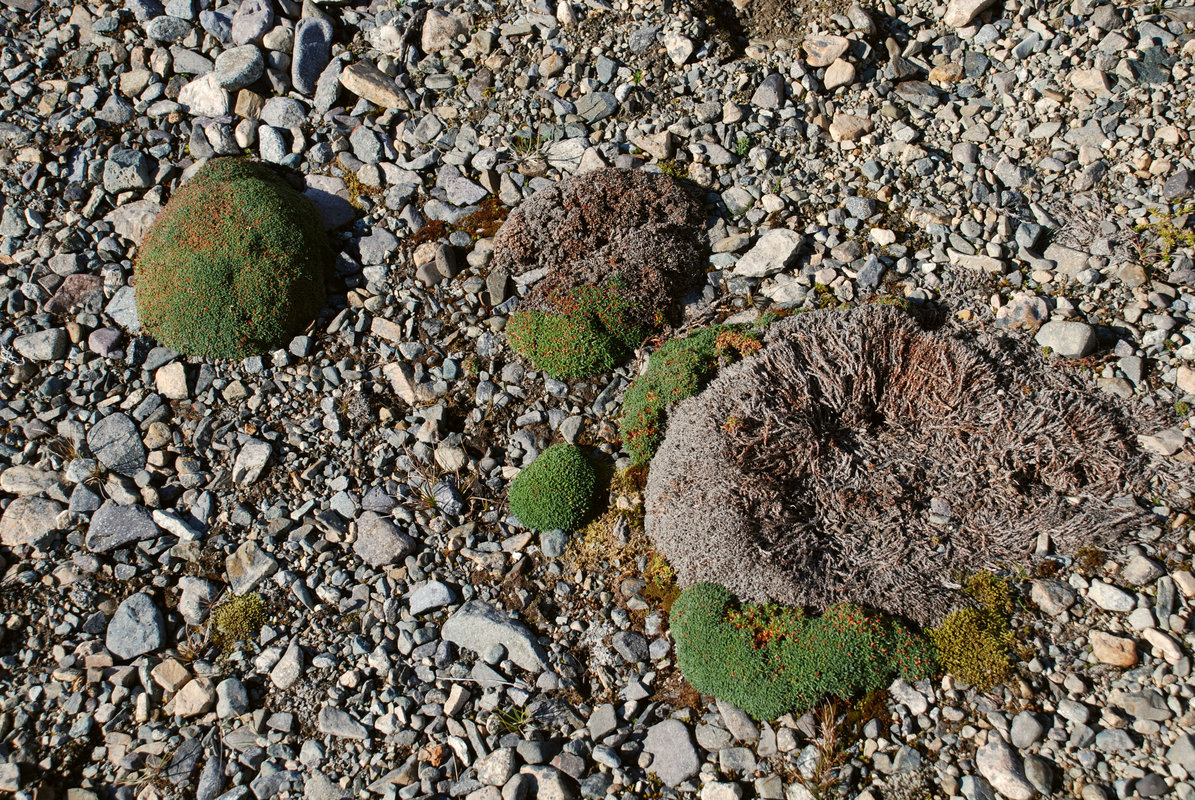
(283, 112)
(171, 381)
(1141, 570)
(596, 106)
(251, 462)
(1118, 651)
(1093, 81)
(114, 526)
(430, 596)
(771, 92)
(498, 767)
(1068, 339)
(237, 67)
(312, 53)
(29, 521)
(679, 48)
(773, 253)
(822, 51)
(196, 597)
(1052, 597)
(904, 693)
(203, 97)
(1000, 765)
(379, 542)
(674, 757)
(439, 29)
(251, 21)
(1110, 598)
(289, 669)
(1182, 752)
(136, 628)
(232, 699)
(248, 567)
(334, 722)
(1179, 185)
(1027, 730)
(848, 127)
(369, 83)
(47, 345)
(477, 626)
(961, 13)
(197, 697)
(840, 73)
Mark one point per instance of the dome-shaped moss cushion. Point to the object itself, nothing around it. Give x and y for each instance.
(234, 265)
(555, 491)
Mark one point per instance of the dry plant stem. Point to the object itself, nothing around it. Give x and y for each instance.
(831, 754)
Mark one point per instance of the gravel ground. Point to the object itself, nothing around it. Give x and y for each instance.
(1027, 166)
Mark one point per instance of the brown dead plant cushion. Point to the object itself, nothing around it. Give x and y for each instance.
(860, 458)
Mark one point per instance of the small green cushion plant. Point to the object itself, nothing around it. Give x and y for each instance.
(555, 490)
(234, 264)
(770, 660)
(590, 330)
(975, 643)
(680, 368)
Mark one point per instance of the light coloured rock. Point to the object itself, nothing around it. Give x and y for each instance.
(29, 521)
(171, 381)
(674, 758)
(289, 669)
(679, 48)
(961, 13)
(1185, 380)
(904, 693)
(773, 253)
(170, 675)
(1093, 81)
(29, 481)
(1185, 581)
(1119, 651)
(204, 97)
(1166, 442)
(1067, 339)
(370, 83)
(1001, 766)
(196, 698)
(249, 566)
(439, 30)
(848, 127)
(1110, 598)
(840, 73)
(1163, 644)
(136, 628)
(379, 541)
(132, 220)
(251, 461)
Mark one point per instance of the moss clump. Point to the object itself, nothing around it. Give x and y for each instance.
(680, 368)
(590, 330)
(975, 643)
(769, 660)
(555, 491)
(238, 620)
(234, 265)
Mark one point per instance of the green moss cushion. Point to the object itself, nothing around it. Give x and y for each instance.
(555, 491)
(769, 660)
(234, 265)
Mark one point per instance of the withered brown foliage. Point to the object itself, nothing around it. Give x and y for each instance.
(872, 461)
(644, 232)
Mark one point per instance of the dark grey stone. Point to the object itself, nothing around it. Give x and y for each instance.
(114, 526)
(116, 442)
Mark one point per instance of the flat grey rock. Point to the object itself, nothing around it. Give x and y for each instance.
(478, 626)
(380, 542)
(114, 526)
(431, 596)
(136, 628)
(116, 442)
(340, 724)
(674, 757)
(1067, 339)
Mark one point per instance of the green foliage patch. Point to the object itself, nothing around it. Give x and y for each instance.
(590, 330)
(238, 620)
(975, 643)
(680, 368)
(555, 491)
(769, 660)
(234, 265)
